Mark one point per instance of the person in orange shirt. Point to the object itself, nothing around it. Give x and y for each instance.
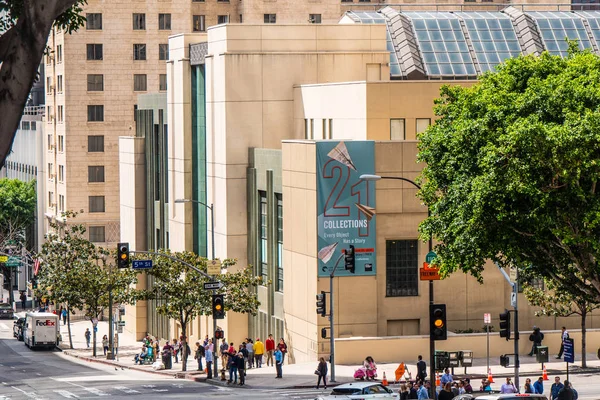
(270, 344)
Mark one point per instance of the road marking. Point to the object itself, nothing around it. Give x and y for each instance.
(160, 390)
(31, 395)
(126, 390)
(97, 392)
(66, 394)
(149, 386)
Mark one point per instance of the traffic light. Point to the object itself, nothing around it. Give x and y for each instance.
(504, 361)
(438, 329)
(324, 333)
(123, 255)
(505, 325)
(218, 306)
(349, 261)
(34, 283)
(322, 304)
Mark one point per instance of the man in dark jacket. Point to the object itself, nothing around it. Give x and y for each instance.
(421, 369)
(555, 388)
(536, 337)
(566, 393)
(241, 366)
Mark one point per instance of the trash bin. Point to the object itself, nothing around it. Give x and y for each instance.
(167, 360)
(542, 354)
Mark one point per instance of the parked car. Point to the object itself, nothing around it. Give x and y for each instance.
(361, 390)
(18, 328)
(6, 311)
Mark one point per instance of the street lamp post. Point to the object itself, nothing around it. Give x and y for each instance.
(212, 232)
(374, 178)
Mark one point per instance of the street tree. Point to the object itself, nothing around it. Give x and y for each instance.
(511, 171)
(77, 273)
(558, 301)
(24, 29)
(183, 298)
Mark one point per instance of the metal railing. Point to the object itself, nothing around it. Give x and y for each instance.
(470, 6)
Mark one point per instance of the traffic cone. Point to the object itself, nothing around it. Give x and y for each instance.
(545, 374)
(384, 382)
(490, 377)
(437, 379)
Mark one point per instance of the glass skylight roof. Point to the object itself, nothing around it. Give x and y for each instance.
(367, 17)
(442, 44)
(593, 18)
(493, 37)
(556, 26)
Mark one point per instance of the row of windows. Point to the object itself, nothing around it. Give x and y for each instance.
(263, 252)
(28, 125)
(397, 128)
(95, 143)
(20, 167)
(95, 82)
(95, 52)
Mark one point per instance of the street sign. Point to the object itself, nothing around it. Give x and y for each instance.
(213, 267)
(569, 350)
(121, 323)
(141, 264)
(487, 318)
(212, 285)
(429, 274)
(513, 299)
(3, 259)
(430, 256)
(512, 273)
(13, 261)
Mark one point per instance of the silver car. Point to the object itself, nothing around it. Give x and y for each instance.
(361, 390)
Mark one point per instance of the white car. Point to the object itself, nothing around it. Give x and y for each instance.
(361, 390)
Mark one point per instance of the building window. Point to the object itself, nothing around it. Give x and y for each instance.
(94, 51)
(346, 1)
(164, 22)
(162, 82)
(314, 18)
(59, 83)
(199, 23)
(25, 125)
(95, 82)
(51, 170)
(50, 113)
(364, 1)
(95, 173)
(59, 54)
(270, 18)
(140, 82)
(264, 250)
(198, 1)
(163, 51)
(95, 113)
(96, 204)
(397, 129)
(33, 125)
(49, 83)
(93, 21)
(51, 200)
(241, 18)
(222, 19)
(139, 52)
(95, 144)
(50, 141)
(330, 129)
(61, 173)
(97, 234)
(139, 22)
(61, 143)
(402, 269)
(423, 124)
(61, 203)
(60, 113)
(279, 286)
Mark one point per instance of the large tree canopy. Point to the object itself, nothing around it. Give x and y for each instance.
(17, 208)
(511, 171)
(24, 29)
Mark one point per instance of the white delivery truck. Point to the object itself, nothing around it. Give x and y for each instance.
(41, 330)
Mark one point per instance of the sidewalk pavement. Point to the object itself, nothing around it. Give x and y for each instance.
(294, 375)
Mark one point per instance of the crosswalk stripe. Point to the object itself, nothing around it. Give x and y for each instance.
(66, 394)
(97, 392)
(126, 390)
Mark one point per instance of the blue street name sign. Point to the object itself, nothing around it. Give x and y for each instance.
(141, 264)
(569, 350)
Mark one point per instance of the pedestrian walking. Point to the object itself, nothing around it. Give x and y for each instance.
(259, 350)
(422, 393)
(536, 338)
(270, 348)
(105, 343)
(421, 369)
(176, 348)
(199, 354)
(566, 393)
(205, 343)
(23, 300)
(88, 336)
(539, 385)
(283, 348)
(224, 351)
(446, 393)
(563, 339)
(508, 387)
(412, 391)
(250, 349)
(116, 343)
(208, 356)
(278, 363)
(446, 377)
(232, 366)
(468, 387)
(241, 366)
(528, 388)
(63, 314)
(321, 372)
(555, 388)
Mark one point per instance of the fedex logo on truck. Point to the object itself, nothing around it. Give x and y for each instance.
(45, 323)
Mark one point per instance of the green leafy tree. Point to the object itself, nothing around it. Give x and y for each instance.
(24, 29)
(76, 272)
(511, 171)
(184, 298)
(558, 301)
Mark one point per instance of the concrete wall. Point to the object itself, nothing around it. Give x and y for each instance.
(407, 348)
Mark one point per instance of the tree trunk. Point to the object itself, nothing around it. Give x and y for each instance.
(583, 339)
(21, 50)
(69, 325)
(94, 341)
(184, 353)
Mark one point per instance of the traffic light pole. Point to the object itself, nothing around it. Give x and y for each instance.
(514, 302)
(331, 328)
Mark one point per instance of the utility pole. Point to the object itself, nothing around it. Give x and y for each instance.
(331, 328)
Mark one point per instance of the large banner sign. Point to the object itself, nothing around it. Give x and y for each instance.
(345, 206)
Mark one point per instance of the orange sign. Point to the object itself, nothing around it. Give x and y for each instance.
(429, 274)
